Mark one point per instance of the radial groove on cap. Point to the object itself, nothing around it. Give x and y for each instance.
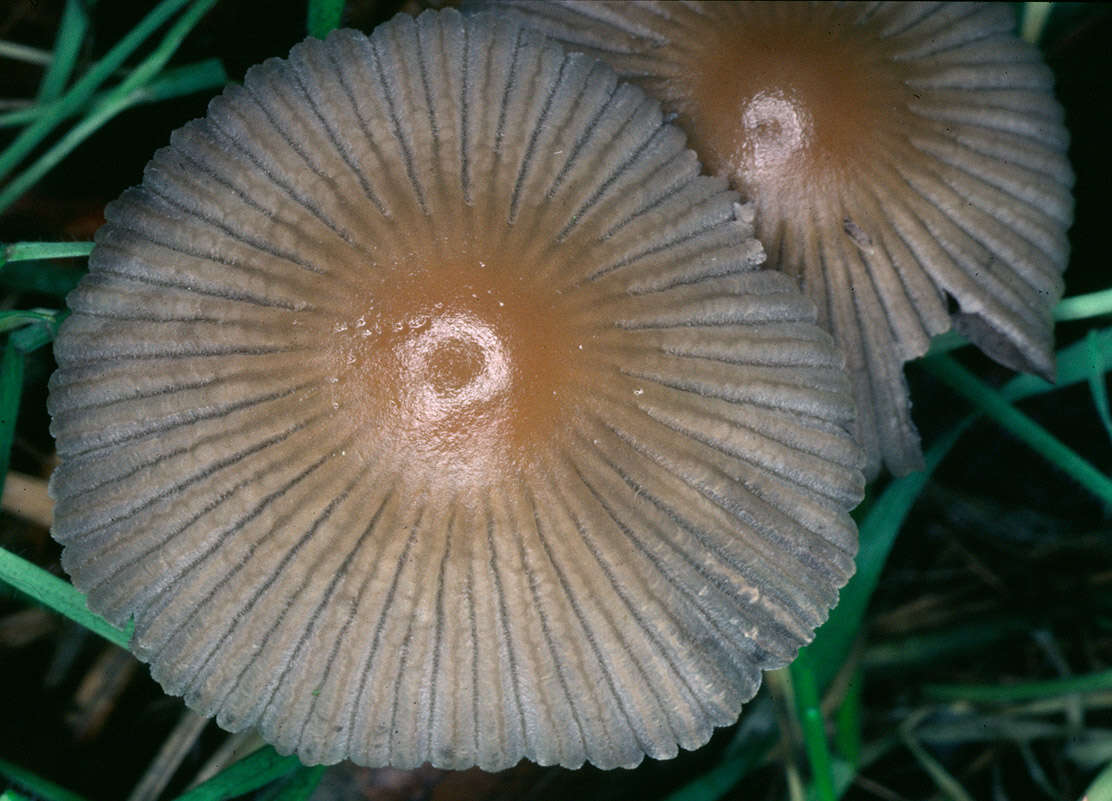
(897, 154)
(425, 403)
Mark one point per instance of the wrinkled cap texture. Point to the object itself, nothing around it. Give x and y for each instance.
(425, 404)
(907, 162)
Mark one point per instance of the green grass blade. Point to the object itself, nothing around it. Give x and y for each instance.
(80, 93)
(123, 96)
(154, 63)
(1082, 307)
(1101, 787)
(57, 594)
(943, 343)
(67, 46)
(19, 269)
(16, 319)
(1097, 387)
(848, 723)
(34, 784)
(897, 653)
(250, 773)
(323, 16)
(27, 251)
(1075, 364)
(201, 76)
(21, 52)
(945, 782)
(12, 795)
(806, 691)
(844, 773)
(174, 82)
(1100, 681)
(1035, 17)
(997, 407)
(11, 389)
(32, 337)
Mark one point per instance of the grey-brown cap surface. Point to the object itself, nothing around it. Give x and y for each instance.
(901, 157)
(425, 403)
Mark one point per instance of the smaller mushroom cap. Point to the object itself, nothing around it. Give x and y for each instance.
(425, 404)
(901, 156)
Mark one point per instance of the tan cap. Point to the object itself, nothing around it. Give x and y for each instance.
(425, 403)
(907, 162)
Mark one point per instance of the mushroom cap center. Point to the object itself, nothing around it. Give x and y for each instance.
(781, 104)
(458, 362)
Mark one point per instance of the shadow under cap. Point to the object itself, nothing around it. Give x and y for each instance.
(898, 155)
(425, 403)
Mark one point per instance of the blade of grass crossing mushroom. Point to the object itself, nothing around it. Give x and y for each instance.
(993, 404)
(118, 99)
(59, 595)
(71, 35)
(79, 94)
(27, 251)
(34, 784)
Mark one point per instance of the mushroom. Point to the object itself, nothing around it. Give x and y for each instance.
(907, 163)
(425, 403)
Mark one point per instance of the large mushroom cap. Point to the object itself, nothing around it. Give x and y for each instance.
(899, 155)
(424, 403)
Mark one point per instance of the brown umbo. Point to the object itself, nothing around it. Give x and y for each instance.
(901, 157)
(425, 403)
